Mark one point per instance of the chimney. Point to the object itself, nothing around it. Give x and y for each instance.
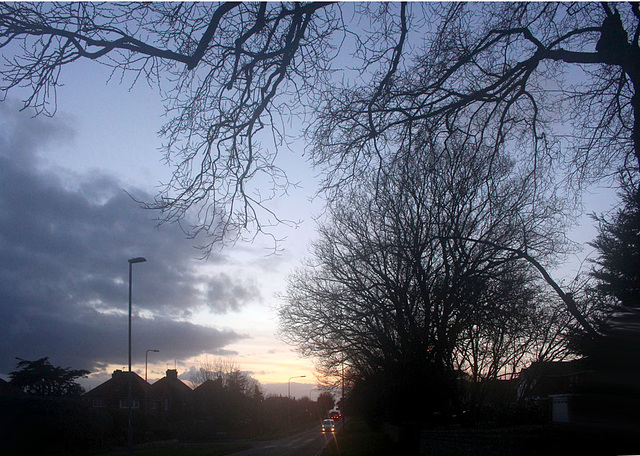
(117, 373)
(172, 374)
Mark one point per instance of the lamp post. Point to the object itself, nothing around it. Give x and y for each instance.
(317, 407)
(289, 388)
(131, 262)
(342, 399)
(289, 394)
(146, 360)
(130, 427)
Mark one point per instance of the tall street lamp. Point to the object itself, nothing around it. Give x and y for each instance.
(289, 388)
(130, 430)
(131, 262)
(342, 403)
(289, 394)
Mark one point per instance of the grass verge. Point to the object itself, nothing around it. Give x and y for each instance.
(359, 439)
(179, 449)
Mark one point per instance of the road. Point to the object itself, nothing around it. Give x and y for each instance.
(307, 443)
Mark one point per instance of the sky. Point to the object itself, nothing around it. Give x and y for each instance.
(68, 227)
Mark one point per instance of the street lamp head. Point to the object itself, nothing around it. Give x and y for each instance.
(137, 260)
(156, 351)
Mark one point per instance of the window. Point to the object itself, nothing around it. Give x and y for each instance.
(125, 401)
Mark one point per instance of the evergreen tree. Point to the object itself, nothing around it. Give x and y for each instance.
(41, 378)
(618, 244)
(614, 358)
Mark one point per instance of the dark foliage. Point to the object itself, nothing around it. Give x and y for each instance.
(618, 245)
(53, 426)
(41, 378)
(416, 277)
(325, 403)
(615, 356)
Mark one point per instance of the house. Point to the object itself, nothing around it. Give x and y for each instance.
(114, 393)
(170, 397)
(543, 379)
(558, 385)
(208, 396)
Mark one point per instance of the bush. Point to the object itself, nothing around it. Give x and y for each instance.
(52, 426)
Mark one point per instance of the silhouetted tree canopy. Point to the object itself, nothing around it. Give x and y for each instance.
(614, 358)
(41, 378)
(227, 373)
(399, 289)
(617, 268)
(555, 83)
(325, 402)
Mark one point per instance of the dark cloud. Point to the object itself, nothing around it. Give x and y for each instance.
(64, 244)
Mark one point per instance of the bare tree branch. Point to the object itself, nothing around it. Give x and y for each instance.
(363, 79)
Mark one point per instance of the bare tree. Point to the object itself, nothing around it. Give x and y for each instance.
(213, 369)
(233, 72)
(536, 327)
(554, 82)
(395, 286)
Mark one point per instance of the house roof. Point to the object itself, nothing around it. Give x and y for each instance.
(209, 387)
(118, 385)
(171, 385)
(553, 368)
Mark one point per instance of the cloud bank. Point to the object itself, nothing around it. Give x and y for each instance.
(64, 243)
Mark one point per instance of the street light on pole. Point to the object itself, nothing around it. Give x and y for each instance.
(289, 388)
(131, 262)
(289, 394)
(130, 430)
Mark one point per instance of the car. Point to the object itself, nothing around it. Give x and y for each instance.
(328, 426)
